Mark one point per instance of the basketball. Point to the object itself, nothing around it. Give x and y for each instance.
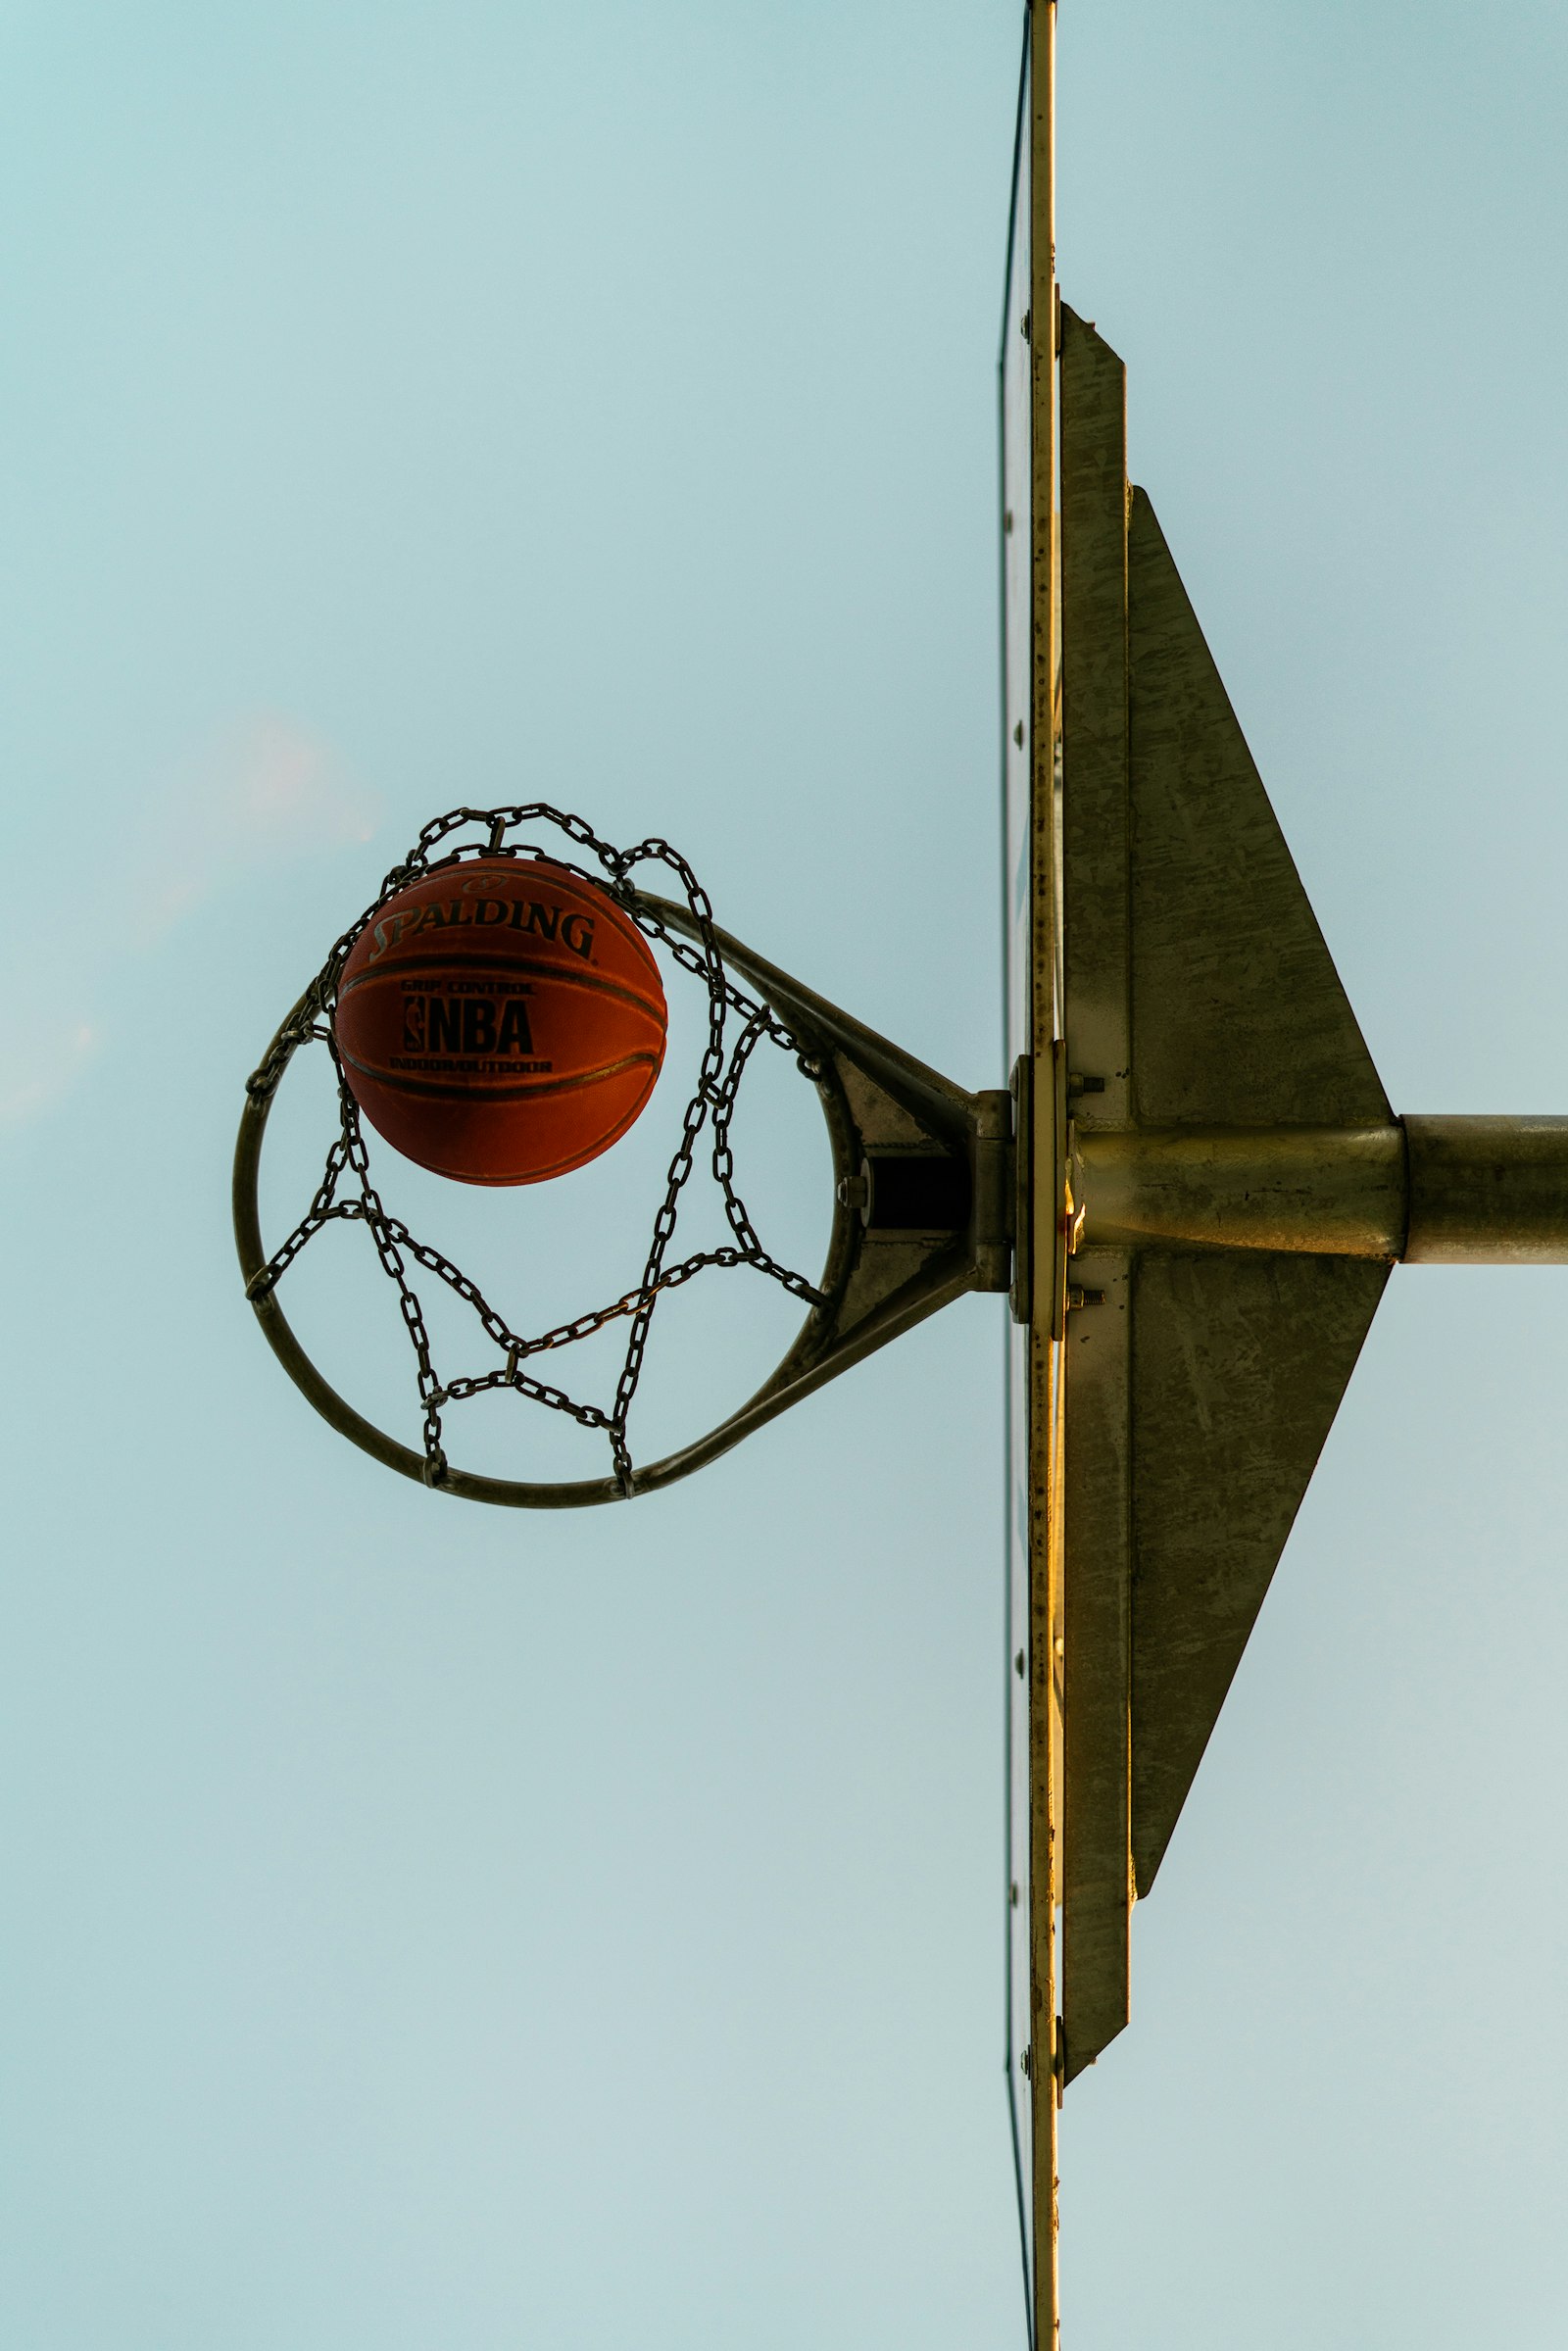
(501, 1021)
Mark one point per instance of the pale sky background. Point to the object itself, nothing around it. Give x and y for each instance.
(441, 1929)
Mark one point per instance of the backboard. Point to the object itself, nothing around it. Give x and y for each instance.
(1208, 1166)
(1032, 934)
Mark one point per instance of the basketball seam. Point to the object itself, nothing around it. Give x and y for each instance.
(475, 1090)
(592, 980)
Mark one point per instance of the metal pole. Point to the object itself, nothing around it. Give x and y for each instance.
(1427, 1191)
(1487, 1191)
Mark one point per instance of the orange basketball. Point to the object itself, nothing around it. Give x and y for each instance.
(501, 1021)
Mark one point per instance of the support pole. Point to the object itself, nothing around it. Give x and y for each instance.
(1487, 1191)
(1427, 1190)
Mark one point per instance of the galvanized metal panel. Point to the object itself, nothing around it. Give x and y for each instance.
(1239, 1021)
(1240, 1360)
(1095, 842)
(1239, 1015)
(1097, 1630)
(1097, 1888)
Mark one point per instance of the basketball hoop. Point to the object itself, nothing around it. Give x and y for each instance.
(923, 1206)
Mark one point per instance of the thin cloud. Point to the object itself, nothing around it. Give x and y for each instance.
(263, 792)
(40, 1070)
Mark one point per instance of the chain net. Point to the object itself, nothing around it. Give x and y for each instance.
(347, 1193)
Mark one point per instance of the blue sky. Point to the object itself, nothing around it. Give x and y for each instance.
(426, 1926)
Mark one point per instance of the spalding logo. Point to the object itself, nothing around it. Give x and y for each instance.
(574, 931)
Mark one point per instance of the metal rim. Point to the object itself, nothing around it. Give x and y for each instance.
(811, 1341)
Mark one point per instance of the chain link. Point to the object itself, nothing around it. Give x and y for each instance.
(712, 1102)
